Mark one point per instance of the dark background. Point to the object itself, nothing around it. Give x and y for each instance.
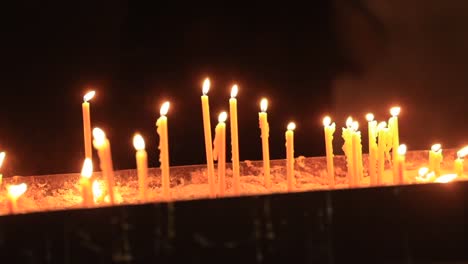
(338, 57)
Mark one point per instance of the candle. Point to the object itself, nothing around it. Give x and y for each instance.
(289, 135)
(347, 135)
(102, 145)
(329, 130)
(435, 158)
(85, 183)
(219, 151)
(87, 124)
(13, 193)
(98, 191)
(357, 154)
(207, 131)
(459, 164)
(382, 131)
(393, 126)
(265, 133)
(164, 149)
(400, 164)
(234, 139)
(373, 148)
(2, 158)
(142, 166)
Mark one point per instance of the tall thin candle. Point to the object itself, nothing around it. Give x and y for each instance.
(142, 166)
(329, 130)
(459, 161)
(87, 124)
(289, 135)
(85, 183)
(102, 144)
(164, 149)
(373, 148)
(265, 134)
(208, 140)
(394, 131)
(234, 139)
(219, 151)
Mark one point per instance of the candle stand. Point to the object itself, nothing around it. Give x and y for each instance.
(418, 223)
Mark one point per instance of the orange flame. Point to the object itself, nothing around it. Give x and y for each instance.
(164, 108)
(291, 126)
(264, 105)
(98, 190)
(222, 117)
(234, 91)
(326, 121)
(89, 96)
(206, 86)
(15, 191)
(138, 142)
(87, 170)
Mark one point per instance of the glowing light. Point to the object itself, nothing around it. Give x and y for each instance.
(89, 96)
(436, 147)
(264, 105)
(349, 122)
(234, 91)
(326, 121)
(381, 125)
(370, 117)
(446, 178)
(99, 136)
(402, 149)
(355, 125)
(164, 108)
(222, 117)
(395, 111)
(206, 86)
(87, 170)
(138, 142)
(291, 126)
(2, 158)
(422, 172)
(15, 191)
(98, 190)
(462, 152)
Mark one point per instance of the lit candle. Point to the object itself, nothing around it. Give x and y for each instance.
(435, 158)
(394, 131)
(98, 191)
(164, 149)
(219, 151)
(2, 158)
(373, 148)
(234, 139)
(357, 154)
(142, 166)
(85, 183)
(87, 124)
(400, 164)
(208, 142)
(382, 131)
(102, 145)
(347, 135)
(329, 130)
(265, 133)
(290, 155)
(459, 164)
(13, 193)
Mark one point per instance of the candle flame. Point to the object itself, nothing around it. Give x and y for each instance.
(89, 96)
(446, 178)
(402, 149)
(87, 170)
(326, 121)
(462, 152)
(99, 136)
(2, 158)
(395, 111)
(423, 171)
(138, 142)
(370, 117)
(291, 126)
(206, 86)
(98, 190)
(382, 125)
(264, 105)
(355, 125)
(436, 147)
(164, 108)
(349, 122)
(222, 117)
(15, 191)
(234, 91)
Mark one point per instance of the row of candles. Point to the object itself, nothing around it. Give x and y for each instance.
(382, 138)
